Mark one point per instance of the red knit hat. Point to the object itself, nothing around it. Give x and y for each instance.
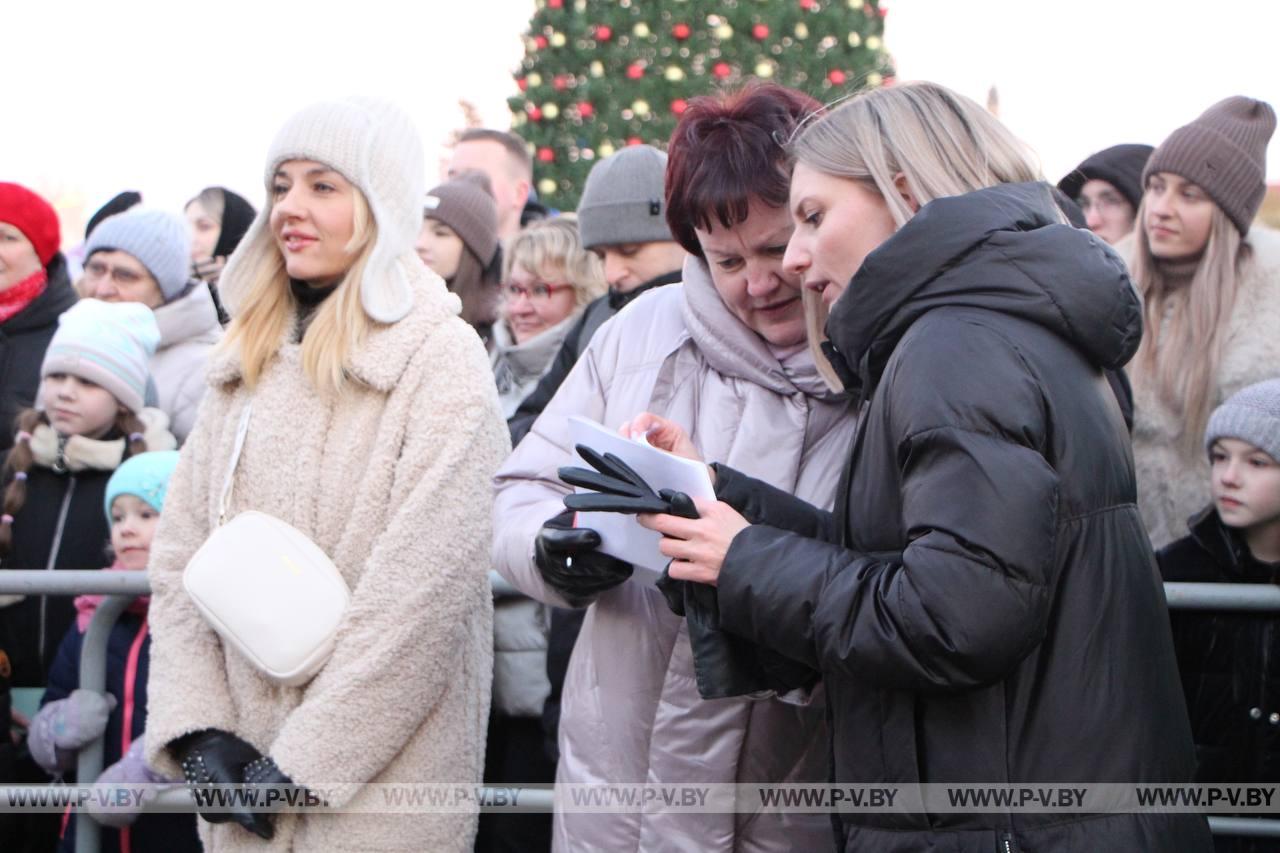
(33, 216)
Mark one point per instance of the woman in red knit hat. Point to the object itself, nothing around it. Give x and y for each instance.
(34, 290)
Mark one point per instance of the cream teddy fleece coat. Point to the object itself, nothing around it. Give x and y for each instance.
(392, 482)
(1171, 485)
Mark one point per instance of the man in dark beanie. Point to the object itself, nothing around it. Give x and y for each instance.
(622, 218)
(1108, 188)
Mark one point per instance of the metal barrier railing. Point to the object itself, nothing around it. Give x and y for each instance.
(121, 587)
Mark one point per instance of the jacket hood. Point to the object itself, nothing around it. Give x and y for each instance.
(189, 316)
(1002, 249)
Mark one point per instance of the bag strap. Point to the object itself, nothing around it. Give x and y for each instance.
(241, 431)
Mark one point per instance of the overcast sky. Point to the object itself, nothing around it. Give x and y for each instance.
(168, 97)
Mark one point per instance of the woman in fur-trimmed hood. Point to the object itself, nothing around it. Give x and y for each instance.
(360, 440)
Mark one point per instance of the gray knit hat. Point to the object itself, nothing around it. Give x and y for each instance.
(623, 201)
(466, 205)
(1224, 152)
(1251, 414)
(158, 240)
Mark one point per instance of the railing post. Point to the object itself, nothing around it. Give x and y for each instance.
(93, 676)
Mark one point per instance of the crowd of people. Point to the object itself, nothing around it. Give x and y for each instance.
(960, 423)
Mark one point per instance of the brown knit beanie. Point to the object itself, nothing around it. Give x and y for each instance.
(1224, 152)
(466, 205)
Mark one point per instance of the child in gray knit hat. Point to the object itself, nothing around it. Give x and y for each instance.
(1227, 660)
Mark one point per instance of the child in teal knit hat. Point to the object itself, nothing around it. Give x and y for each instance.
(71, 718)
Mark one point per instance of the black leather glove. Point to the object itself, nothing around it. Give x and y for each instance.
(215, 757)
(568, 561)
(618, 488)
(265, 771)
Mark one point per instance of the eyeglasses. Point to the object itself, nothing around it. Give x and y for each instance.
(97, 271)
(539, 292)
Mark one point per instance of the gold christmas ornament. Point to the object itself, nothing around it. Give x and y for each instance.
(557, 39)
(854, 39)
(764, 69)
(546, 186)
(874, 79)
(597, 68)
(606, 149)
(724, 32)
(535, 79)
(550, 111)
(802, 32)
(873, 42)
(674, 73)
(641, 30)
(640, 108)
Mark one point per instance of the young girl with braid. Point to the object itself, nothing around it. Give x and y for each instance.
(89, 417)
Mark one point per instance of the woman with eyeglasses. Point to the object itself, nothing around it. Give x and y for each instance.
(547, 279)
(144, 256)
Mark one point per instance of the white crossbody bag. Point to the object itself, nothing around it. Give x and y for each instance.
(266, 589)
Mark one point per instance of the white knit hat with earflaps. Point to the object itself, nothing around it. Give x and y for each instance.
(376, 147)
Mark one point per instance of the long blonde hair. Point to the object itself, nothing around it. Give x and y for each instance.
(1185, 327)
(942, 143)
(269, 309)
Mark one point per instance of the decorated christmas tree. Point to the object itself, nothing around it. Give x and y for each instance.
(601, 74)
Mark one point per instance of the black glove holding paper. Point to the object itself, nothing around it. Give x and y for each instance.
(568, 561)
(618, 488)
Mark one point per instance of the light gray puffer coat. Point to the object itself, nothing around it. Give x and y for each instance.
(631, 710)
(189, 330)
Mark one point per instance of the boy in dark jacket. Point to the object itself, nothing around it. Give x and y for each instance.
(1230, 661)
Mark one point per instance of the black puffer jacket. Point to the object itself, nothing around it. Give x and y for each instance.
(23, 339)
(985, 606)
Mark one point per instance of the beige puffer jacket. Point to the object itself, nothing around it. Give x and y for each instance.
(392, 481)
(631, 710)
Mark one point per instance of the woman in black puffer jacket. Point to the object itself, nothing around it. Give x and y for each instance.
(983, 606)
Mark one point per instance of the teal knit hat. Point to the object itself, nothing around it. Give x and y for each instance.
(145, 476)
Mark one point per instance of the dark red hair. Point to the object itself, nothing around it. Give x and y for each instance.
(727, 149)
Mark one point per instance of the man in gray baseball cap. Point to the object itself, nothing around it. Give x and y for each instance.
(622, 217)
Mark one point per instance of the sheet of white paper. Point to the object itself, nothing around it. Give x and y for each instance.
(621, 535)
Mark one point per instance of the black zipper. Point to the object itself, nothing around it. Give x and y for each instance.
(53, 559)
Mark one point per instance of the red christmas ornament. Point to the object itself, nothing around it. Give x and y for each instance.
(546, 155)
(555, 4)
(634, 140)
(560, 83)
(760, 32)
(836, 76)
(603, 33)
(679, 105)
(807, 5)
(888, 81)
(681, 31)
(884, 13)
(721, 70)
(586, 110)
(635, 71)
(540, 42)
(535, 114)
(523, 84)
